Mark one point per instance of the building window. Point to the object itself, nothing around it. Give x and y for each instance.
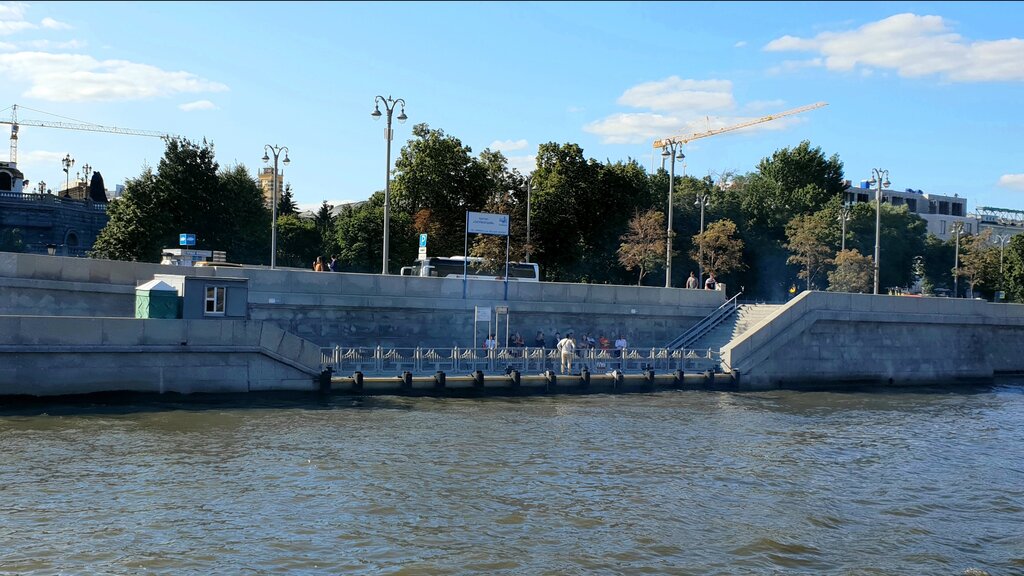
(942, 227)
(215, 300)
(958, 209)
(912, 204)
(969, 231)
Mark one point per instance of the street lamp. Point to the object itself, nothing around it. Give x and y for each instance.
(530, 187)
(673, 149)
(68, 162)
(276, 150)
(51, 249)
(87, 170)
(702, 200)
(42, 187)
(844, 217)
(389, 107)
(1001, 239)
(958, 228)
(882, 178)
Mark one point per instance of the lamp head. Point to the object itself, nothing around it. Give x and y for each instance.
(886, 183)
(664, 152)
(376, 112)
(286, 160)
(402, 117)
(680, 155)
(266, 158)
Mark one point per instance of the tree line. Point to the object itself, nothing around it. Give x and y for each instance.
(766, 231)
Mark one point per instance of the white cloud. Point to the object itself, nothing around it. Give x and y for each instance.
(7, 46)
(8, 27)
(524, 164)
(52, 24)
(675, 93)
(914, 46)
(47, 45)
(740, 44)
(505, 145)
(574, 109)
(794, 65)
(12, 18)
(78, 78)
(633, 128)
(40, 156)
(1012, 181)
(198, 105)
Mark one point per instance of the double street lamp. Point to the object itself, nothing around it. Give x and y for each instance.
(881, 177)
(276, 151)
(68, 162)
(389, 106)
(702, 200)
(844, 217)
(530, 187)
(672, 149)
(1001, 239)
(958, 229)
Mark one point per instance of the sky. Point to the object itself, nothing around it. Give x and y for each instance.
(930, 91)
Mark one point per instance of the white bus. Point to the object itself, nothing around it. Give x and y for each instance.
(454, 266)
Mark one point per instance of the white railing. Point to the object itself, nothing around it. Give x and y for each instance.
(421, 361)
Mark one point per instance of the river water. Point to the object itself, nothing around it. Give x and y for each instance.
(877, 482)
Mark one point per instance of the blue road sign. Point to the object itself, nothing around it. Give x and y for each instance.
(423, 240)
(186, 239)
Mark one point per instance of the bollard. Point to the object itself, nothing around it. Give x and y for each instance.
(678, 375)
(357, 381)
(478, 379)
(649, 377)
(585, 378)
(515, 377)
(551, 380)
(325, 380)
(616, 379)
(406, 380)
(709, 379)
(439, 379)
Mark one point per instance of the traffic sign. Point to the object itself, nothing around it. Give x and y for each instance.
(423, 240)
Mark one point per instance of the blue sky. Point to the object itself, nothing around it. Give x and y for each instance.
(931, 92)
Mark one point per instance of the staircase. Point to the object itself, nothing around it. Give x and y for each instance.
(745, 318)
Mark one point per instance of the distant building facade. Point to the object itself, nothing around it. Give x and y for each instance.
(1002, 221)
(266, 177)
(939, 211)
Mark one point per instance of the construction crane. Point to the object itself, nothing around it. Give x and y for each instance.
(15, 123)
(688, 137)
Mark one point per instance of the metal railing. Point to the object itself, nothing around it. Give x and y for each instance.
(368, 360)
(706, 325)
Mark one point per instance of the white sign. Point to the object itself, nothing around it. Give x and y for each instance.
(483, 313)
(501, 309)
(423, 253)
(484, 223)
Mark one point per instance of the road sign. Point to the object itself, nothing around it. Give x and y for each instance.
(423, 240)
(483, 223)
(501, 309)
(186, 239)
(423, 253)
(483, 313)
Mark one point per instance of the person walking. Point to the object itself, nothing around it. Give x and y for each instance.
(567, 347)
(710, 283)
(333, 264)
(318, 266)
(691, 282)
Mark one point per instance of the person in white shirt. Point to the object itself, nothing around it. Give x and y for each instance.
(620, 347)
(567, 346)
(491, 344)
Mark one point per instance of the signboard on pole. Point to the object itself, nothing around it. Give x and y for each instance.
(483, 313)
(422, 255)
(484, 223)
(186, 239)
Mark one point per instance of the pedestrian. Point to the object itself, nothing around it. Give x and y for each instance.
(620, 347)
(539, 341)
(604, 343)
(333, 264)
(491, 344)
(556, 340)
(517, 340)
(691, 282)
(318, 266)
(567, 348)
(710, 283)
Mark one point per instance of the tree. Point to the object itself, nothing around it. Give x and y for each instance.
(723, 253)
(853, 273)
(808, 246)
(359, 231)
(286, 203)
(1014, 269)
(10, 240)
(133, 223)
(643, 246)
(902, 238)
(979, 259)
(324, 221)
(245, 234)
(938, 258)
(298, 242)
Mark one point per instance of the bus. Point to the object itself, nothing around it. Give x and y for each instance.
(454, 266)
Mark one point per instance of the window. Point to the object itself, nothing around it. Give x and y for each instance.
(942, 230)
(912, 204)
(215, 300)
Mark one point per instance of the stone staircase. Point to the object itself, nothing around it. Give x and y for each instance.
(745, 318)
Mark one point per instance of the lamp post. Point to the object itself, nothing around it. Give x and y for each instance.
(882, 178)
(389, 107)
(673, 149)
(276, 151)
(68, 162)
(530, 187)
(42, 187)
(702, 201)
(86, 170)
(1001, 239)
(958, 228)
(844, 217)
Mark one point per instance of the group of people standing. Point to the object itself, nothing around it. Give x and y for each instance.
(710, 284)
(320, 266)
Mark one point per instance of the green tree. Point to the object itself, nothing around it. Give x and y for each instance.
(286, 203)
(902, 238)
(808, 245)
(643, 245)
(245, 234)
(938, 259)
(10, 240)
(564, 178)
(853, 273)
(723, 252)
(133, 223)
(298, 242)
(324, 221)
(979, 260)
(359, 230)
(1013, 268)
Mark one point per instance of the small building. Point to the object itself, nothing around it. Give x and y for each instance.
(941, 212)
(210, 297)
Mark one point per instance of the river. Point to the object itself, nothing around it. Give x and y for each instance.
(781, 482)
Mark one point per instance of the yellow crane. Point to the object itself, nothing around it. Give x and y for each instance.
(15, 124)
(688, 137)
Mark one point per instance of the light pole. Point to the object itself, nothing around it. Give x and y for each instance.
(958, 228)
(844, 217)
(673, 149)
(389, 107)
(702, 201)
(1001, 239)
(42, 187)
(882, 178)
(276, 151)
(87, 170)
(68, 162)
(529, 189)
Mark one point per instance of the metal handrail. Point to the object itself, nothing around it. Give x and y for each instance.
(706, 325)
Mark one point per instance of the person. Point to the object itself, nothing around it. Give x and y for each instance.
(517, 340)
(604, 342)
(539, 341)
(318, 266)
(591, 343)
(620, 347)
(691, 282)
(567, 347)
(491, 344)
(556, 340)
(333, 264)
(710, 283)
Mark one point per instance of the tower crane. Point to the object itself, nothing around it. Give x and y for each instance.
(688, 137)
(15, 123)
